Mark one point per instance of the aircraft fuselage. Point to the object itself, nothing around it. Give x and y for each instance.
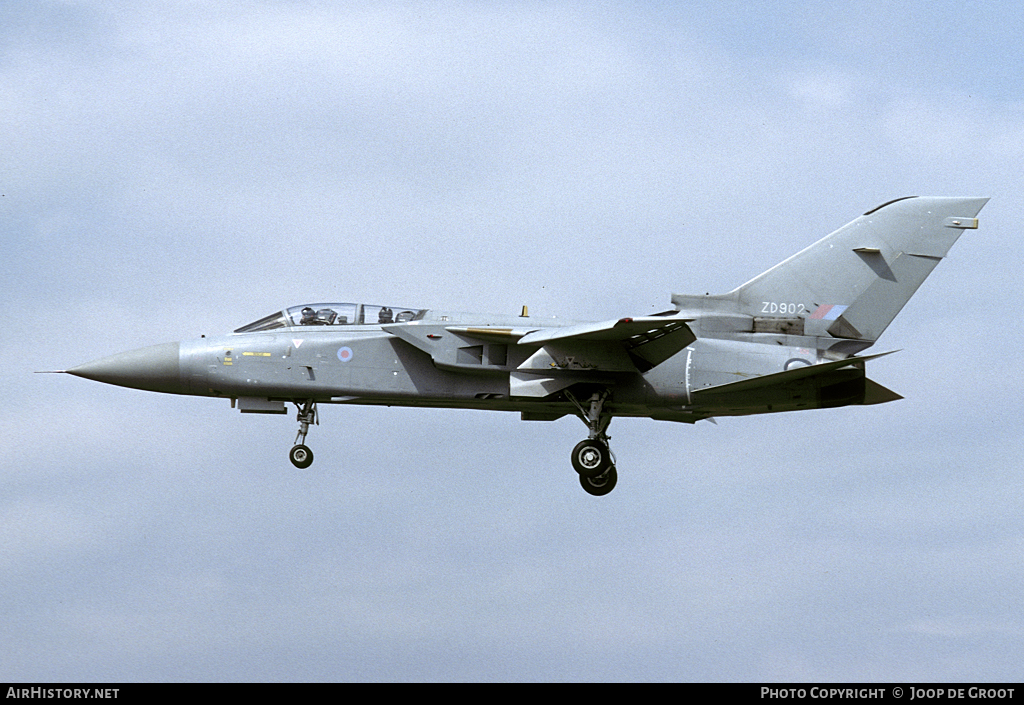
(365, 364)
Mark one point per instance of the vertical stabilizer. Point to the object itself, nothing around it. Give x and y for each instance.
(854, 281)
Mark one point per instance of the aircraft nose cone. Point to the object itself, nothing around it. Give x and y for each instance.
(155, 368)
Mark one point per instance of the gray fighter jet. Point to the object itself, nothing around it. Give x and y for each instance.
(786, 340)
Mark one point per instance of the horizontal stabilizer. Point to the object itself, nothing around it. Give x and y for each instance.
(789, 376)
(874, 393)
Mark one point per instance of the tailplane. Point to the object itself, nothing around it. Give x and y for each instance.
(852, 283)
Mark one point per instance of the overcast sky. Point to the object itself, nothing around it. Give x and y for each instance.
(172, 169)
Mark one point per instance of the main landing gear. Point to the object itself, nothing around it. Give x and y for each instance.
(592, 459)
(300, 454)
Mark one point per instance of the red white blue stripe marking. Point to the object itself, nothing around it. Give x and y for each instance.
(828, 312)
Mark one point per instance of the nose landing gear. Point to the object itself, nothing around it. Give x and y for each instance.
(300, 454)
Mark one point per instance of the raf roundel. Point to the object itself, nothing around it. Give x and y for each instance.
(345, 354)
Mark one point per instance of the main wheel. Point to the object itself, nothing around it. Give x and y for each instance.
(301, 456)
(602, 484)
(590, 458)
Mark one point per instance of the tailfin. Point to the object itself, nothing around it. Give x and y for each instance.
(852, 283)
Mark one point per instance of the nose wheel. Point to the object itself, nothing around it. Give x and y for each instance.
(300, 454)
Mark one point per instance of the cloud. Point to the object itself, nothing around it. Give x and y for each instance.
(184, 168)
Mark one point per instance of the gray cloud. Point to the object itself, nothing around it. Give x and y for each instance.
(182, 169)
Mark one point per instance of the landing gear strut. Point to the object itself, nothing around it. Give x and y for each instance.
(300, 454)
(592, 459)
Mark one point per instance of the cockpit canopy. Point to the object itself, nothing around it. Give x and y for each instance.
(334, 315)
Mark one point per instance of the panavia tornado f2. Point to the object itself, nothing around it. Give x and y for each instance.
(790, 339)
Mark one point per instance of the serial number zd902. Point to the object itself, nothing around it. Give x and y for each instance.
(783, 308)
